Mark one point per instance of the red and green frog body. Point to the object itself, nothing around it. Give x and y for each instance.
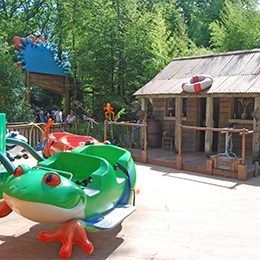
(89, 189)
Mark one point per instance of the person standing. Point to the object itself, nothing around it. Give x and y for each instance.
(58, 115)
(52, 114)
(40, 115)
(71, 118)
(45, 115)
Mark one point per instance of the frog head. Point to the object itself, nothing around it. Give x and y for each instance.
(44, 196)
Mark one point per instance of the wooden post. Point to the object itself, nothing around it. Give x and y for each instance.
(209, 167)
(179, 137)
(179, 162)
(179, 157)
(143, 108)
(209, 123)
(256, 169)
(242, 172)
(27, 83)
(178, 121)
(145, 136)
(66, 96)
(256, 136)
(243, 146)
(144, 152)
(105, 131)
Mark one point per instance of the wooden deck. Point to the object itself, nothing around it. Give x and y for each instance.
(191, 161)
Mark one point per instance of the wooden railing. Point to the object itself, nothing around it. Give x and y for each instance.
(143, 126)
(242, 132)
(34, 131)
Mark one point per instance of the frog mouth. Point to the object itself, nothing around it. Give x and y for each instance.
(44, 213)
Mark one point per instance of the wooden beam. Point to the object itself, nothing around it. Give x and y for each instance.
(27, 83)
(105, 131)
(244, 146)
(145, 137)
(124, 123)
(51, 82)
(256, 141)
(56, 83)
(142, 134)
(178, 121)
(197, 95)
(209, 123)
(144, 108)
(215, 129)
(180, 139)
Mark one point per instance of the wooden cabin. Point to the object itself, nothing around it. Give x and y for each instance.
(236, 80)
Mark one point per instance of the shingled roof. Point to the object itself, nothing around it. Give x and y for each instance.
(235, 73)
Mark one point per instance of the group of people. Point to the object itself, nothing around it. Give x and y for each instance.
(57, 116)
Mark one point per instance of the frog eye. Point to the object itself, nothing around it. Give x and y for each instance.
(18, 171)
(51, 179)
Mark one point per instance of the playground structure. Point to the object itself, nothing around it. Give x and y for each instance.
(90, 188)
(41, 67)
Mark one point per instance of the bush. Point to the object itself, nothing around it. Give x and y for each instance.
(118, 135)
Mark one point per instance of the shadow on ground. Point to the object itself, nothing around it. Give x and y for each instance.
(28, 246)
(188, 175)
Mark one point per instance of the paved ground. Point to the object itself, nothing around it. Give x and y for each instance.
(180, 215)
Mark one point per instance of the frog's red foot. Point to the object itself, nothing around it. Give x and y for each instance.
(4, 209)
(71, 233)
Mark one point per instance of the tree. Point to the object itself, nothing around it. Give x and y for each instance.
(12, 90)
(22, 18)
(168, 40)
(239, 27)
(198, 15)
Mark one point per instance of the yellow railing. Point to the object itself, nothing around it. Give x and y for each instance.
(34, 131)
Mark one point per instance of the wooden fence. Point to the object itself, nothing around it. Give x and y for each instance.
(34, 132)
(143, 139)
(229, 130)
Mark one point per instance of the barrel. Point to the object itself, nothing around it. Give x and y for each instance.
(154, 133)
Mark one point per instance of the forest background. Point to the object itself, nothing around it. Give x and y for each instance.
(116, 46)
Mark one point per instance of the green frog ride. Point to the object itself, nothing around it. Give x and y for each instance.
(88, 189)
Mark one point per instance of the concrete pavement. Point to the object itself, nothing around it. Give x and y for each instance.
(180, 215)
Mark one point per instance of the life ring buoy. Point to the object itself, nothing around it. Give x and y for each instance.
(197, 83)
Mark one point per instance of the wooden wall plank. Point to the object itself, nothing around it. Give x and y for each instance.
(54, 83)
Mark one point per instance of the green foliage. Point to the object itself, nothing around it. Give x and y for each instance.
(12, 91)
(45, 98)
(117, 46)
(198, 15)
(21, 18)
(119, 135)
(239, 27)
(83, 127)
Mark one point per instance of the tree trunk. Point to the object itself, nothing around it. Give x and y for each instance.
(74, 53)
(120, 88)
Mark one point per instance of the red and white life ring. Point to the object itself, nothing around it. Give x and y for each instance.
(197, 83)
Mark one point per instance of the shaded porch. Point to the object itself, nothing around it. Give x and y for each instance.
(191, 161)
